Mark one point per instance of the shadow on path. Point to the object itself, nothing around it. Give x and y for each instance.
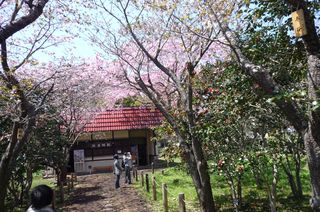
(97, 193)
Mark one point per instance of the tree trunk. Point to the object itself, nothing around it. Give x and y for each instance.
(4, 179)
(256, 174)
(313, 153)
(5, 169)
(272, 193)
(60, 182)
(292, 184)
(201, 177)
(298, 183)
(234, 194)
(199, 173)
(11, 153)
(29, 179)
(312, 136)
(235, 189)
(297, 161)
(294, 180)
(62, 176)
(61, 192)
(239, 190)
(203, 188)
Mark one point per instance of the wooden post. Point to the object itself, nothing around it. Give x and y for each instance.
(72, 184)
(147, 183)
(152, 166)
(133, 172)
(182, 204)
(53, 204)
(165, 197)
(68, 184)
(74, 177)
(61, 192)
(136, 170)
(142, 180)
(154, 188)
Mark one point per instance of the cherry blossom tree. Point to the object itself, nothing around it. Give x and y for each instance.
(89, 89)
(159, 56)
(82, 88)
(24, 31)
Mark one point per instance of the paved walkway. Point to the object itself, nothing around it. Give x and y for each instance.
(97, 193)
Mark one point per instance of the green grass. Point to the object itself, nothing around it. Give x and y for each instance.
(38, 180)
(177, 181)
(254, 199)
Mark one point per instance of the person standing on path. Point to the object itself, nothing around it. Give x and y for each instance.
(117, 170)
(128, 167)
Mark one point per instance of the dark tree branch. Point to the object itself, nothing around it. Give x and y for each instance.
(262, 76)
(15, 26)
(44, 98)
(1, 3)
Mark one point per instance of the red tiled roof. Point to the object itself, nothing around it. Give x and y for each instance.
(124, 119)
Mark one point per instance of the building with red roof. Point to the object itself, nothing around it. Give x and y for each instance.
(115, 131)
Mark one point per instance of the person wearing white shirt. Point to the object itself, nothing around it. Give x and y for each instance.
(128, 167)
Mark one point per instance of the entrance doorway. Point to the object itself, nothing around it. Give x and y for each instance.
(78, 158)
(142, 151)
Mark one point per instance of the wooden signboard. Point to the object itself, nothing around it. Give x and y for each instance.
(102, 135)
(121, 134)
(84, 137)
(20, 133)
(298, 23)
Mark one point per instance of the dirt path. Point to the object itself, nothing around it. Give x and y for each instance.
(97, 193)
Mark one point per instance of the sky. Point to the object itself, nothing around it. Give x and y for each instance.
(78, 47)
(73, 27)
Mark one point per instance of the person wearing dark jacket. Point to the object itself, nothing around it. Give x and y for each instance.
(117, 170)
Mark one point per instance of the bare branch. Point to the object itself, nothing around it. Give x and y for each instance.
(160, 45)
(147, 53)
(34, 48)
(44, 98)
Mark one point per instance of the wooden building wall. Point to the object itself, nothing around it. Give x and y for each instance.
(98, 149)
